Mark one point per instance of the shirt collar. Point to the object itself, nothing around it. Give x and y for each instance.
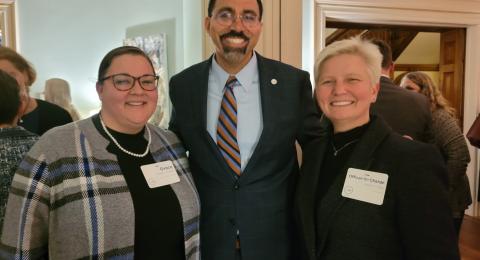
(246, 76)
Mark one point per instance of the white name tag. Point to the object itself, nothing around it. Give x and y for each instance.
(160, 174)
(365, 186)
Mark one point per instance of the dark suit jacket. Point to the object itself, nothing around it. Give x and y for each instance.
(259, 204)
(406, 112)
(414, 221)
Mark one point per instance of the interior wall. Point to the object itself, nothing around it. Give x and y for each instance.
(424, 49)
(308, 36)
(68, 39)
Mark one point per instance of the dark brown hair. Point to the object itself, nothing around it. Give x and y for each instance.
(9, 98)
(19, 62)
(386, 52)
(107, 60)
(431, 91)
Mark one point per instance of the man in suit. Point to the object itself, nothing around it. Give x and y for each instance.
(407, 113)
(241, 136)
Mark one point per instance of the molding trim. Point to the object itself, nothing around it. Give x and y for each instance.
(416, 67)
(461, 6)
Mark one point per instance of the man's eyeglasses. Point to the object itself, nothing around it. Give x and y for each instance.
(124, 82)
(227, 18)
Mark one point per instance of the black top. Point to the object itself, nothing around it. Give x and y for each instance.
(158, 216)
(45, 117)
(343, 143)
(336, 157)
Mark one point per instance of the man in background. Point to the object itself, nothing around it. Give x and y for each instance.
(406, 112)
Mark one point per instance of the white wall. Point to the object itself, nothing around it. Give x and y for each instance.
(192, 31)
(308, 40)
(68, 39)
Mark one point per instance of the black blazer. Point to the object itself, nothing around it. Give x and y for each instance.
(406, 112)
(259, 203)
(414, 221)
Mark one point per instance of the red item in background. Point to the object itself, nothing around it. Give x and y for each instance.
(473, 134)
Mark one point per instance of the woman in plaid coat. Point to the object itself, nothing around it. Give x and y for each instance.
(110, 186)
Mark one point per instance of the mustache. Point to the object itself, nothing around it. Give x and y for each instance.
(235, 34)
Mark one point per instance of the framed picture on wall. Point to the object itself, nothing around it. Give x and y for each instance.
(155, 46)
(7, 24)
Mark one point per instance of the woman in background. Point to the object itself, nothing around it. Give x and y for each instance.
(15, 141)
(39, 116)
(449, 138)
(110, 186)
(57, 91)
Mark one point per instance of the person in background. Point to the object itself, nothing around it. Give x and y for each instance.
(398, 79)
(405, 112)
(449, 139)
(39, 116)
(109, 186)
(239, 115)
(57, 91)
(15, 141)
(366, 192)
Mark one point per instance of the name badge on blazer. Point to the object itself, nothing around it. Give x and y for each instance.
(160, 174)
(366, 186)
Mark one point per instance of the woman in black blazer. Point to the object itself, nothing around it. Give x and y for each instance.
(366, 192)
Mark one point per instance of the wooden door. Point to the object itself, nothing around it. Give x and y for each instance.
(452, 60)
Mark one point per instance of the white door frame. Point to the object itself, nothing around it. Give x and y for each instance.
(446, 13)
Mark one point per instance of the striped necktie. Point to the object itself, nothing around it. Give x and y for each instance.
(227, 128)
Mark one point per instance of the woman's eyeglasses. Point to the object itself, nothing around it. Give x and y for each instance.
(124, 82)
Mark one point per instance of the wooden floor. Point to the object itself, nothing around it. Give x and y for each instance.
(470, 239)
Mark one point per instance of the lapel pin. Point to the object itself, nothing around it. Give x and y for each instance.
(274, 81)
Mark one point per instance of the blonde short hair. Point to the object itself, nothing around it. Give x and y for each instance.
(57, 91)
(355, 46)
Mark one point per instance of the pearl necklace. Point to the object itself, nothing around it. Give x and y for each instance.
(123, 149)
(336, 151)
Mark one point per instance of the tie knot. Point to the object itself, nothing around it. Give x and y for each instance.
(231, 81)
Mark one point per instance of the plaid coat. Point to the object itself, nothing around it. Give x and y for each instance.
(69, 199)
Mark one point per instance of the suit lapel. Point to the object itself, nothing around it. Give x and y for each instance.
(361, 158)
(269, 108)
(199, 107)
(202, 93)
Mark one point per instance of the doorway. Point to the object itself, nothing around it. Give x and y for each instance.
(441, 56)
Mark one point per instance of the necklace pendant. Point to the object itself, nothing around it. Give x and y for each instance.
(336, 151)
